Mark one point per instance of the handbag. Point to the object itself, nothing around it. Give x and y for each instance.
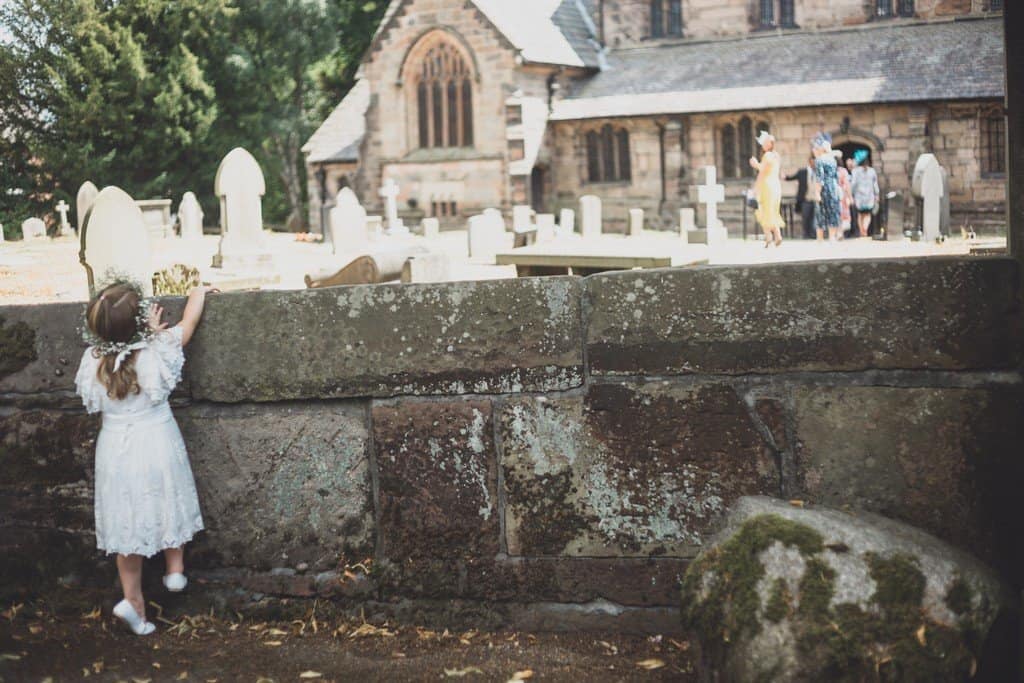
(751, 199)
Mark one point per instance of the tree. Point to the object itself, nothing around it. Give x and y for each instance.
(115, 92)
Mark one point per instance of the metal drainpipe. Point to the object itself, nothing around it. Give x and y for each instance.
(661, 157)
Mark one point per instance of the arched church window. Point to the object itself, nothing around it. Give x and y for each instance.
(767, 8)
(728, 151)
(675, 17)
(444, 98)
(608, 157)
(745, 133)
(657, 19)
(787, 14)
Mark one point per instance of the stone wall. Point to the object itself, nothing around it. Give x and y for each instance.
(545, 453)
(627, 23)
(896, 134)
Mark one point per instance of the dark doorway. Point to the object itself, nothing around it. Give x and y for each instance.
(537, 180)
(848, 149)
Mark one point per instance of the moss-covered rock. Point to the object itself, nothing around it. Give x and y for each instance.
(791, 594)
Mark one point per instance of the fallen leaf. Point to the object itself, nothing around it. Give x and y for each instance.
(310, 674)
(398, 655)
(10, 656)
(141, 680)
(95, 614)
(35, 629)
(651, 664)
(156, 665)
(86, 673)
(97, 666)
(277, 632)
(521, 675)
(920, 636)
(974, 667)
(182, 676)
(272, 643)
(796, 503)
(459, 673)
(681, 646)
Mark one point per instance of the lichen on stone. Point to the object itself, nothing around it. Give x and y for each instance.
(17, 347)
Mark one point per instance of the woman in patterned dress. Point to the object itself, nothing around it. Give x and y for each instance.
(826, 173)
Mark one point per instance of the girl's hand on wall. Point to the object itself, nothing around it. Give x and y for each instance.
(156, 312)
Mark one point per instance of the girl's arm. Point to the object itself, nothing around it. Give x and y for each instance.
(193, 312)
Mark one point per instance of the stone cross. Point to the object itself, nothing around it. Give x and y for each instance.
(83, 201)
(389, 191)
(62, 209)
(116, 242)
(348, 223)
(240, 186)
(711, 194)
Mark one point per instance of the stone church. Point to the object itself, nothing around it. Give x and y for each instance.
(470, 104)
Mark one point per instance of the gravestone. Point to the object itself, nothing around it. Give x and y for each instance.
(928, 186)
(33, 229)
(521, 218)
(83, 200)
(688, 231)
(545, 227)
(590, 215)
(636, 222)
(190, 215)
(2, 238)
(348, 223)
(389, 191)
(157, 214)
(711, 194)
(566, 222)
(495, 215)
(240, 186)
(431, 228)
(115, 242)
(427, 268)
(487, 237)
(62, 209)
(374, 227)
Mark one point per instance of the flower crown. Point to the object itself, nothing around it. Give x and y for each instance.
(143, 332)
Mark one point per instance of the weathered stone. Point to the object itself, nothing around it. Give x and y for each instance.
(41, 346)
(798, 594)
(943, 459)
(934, 313)
(627, 470)
(383, 340)
(437, 476)
(277, 484)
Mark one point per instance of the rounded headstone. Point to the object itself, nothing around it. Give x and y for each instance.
(116, 242)
(33, 229)
(83, 201)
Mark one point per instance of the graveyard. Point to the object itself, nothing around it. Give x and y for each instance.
(498, 379)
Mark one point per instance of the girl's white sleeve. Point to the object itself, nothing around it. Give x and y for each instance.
(161, 371)
(87, 385)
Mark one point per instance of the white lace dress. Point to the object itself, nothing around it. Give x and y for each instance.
(145, 493)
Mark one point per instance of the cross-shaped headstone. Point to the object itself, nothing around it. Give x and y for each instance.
(711, 194)
(389, 191)
(62, 209)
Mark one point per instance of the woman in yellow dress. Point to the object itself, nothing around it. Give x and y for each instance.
(768, 190)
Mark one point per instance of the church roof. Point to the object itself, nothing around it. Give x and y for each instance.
(338, 138)
(890, 62)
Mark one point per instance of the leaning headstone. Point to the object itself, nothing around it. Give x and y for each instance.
(521, 218)
(240, 186)
(545, 227)
(83, 201)
(566, 222)
(486, 237)
(431, 228)
(787, 593)
(348, 223)
(65, 226)
(590, 215)
(636, 222)
(190, 215)
(115, 242)
(33, 229)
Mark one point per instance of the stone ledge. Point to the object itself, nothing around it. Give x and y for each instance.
(842, 316)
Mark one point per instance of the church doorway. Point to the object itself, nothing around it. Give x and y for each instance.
(849, 148)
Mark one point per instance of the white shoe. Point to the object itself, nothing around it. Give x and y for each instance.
(126, 613)
(175, 582)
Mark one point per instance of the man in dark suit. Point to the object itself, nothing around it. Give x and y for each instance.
(804, 177)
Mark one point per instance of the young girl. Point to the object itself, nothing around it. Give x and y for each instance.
(145, 494)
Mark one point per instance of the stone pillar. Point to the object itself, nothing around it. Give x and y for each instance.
(1013, 15)
(675, 166)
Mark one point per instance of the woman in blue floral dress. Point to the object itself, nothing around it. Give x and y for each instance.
(826, 173)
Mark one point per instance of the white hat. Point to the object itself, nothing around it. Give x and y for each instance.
(763, 137)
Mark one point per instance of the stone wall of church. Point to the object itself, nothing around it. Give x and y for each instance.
(627, 23)
(896, 135)
(539, 453)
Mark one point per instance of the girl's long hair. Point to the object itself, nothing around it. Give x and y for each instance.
(113, 316)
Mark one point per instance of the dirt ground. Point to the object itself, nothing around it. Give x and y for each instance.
(42, 641)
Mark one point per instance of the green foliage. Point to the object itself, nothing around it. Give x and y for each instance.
(151, 94)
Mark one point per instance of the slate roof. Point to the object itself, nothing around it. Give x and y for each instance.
(338, 138)
(890, 62)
